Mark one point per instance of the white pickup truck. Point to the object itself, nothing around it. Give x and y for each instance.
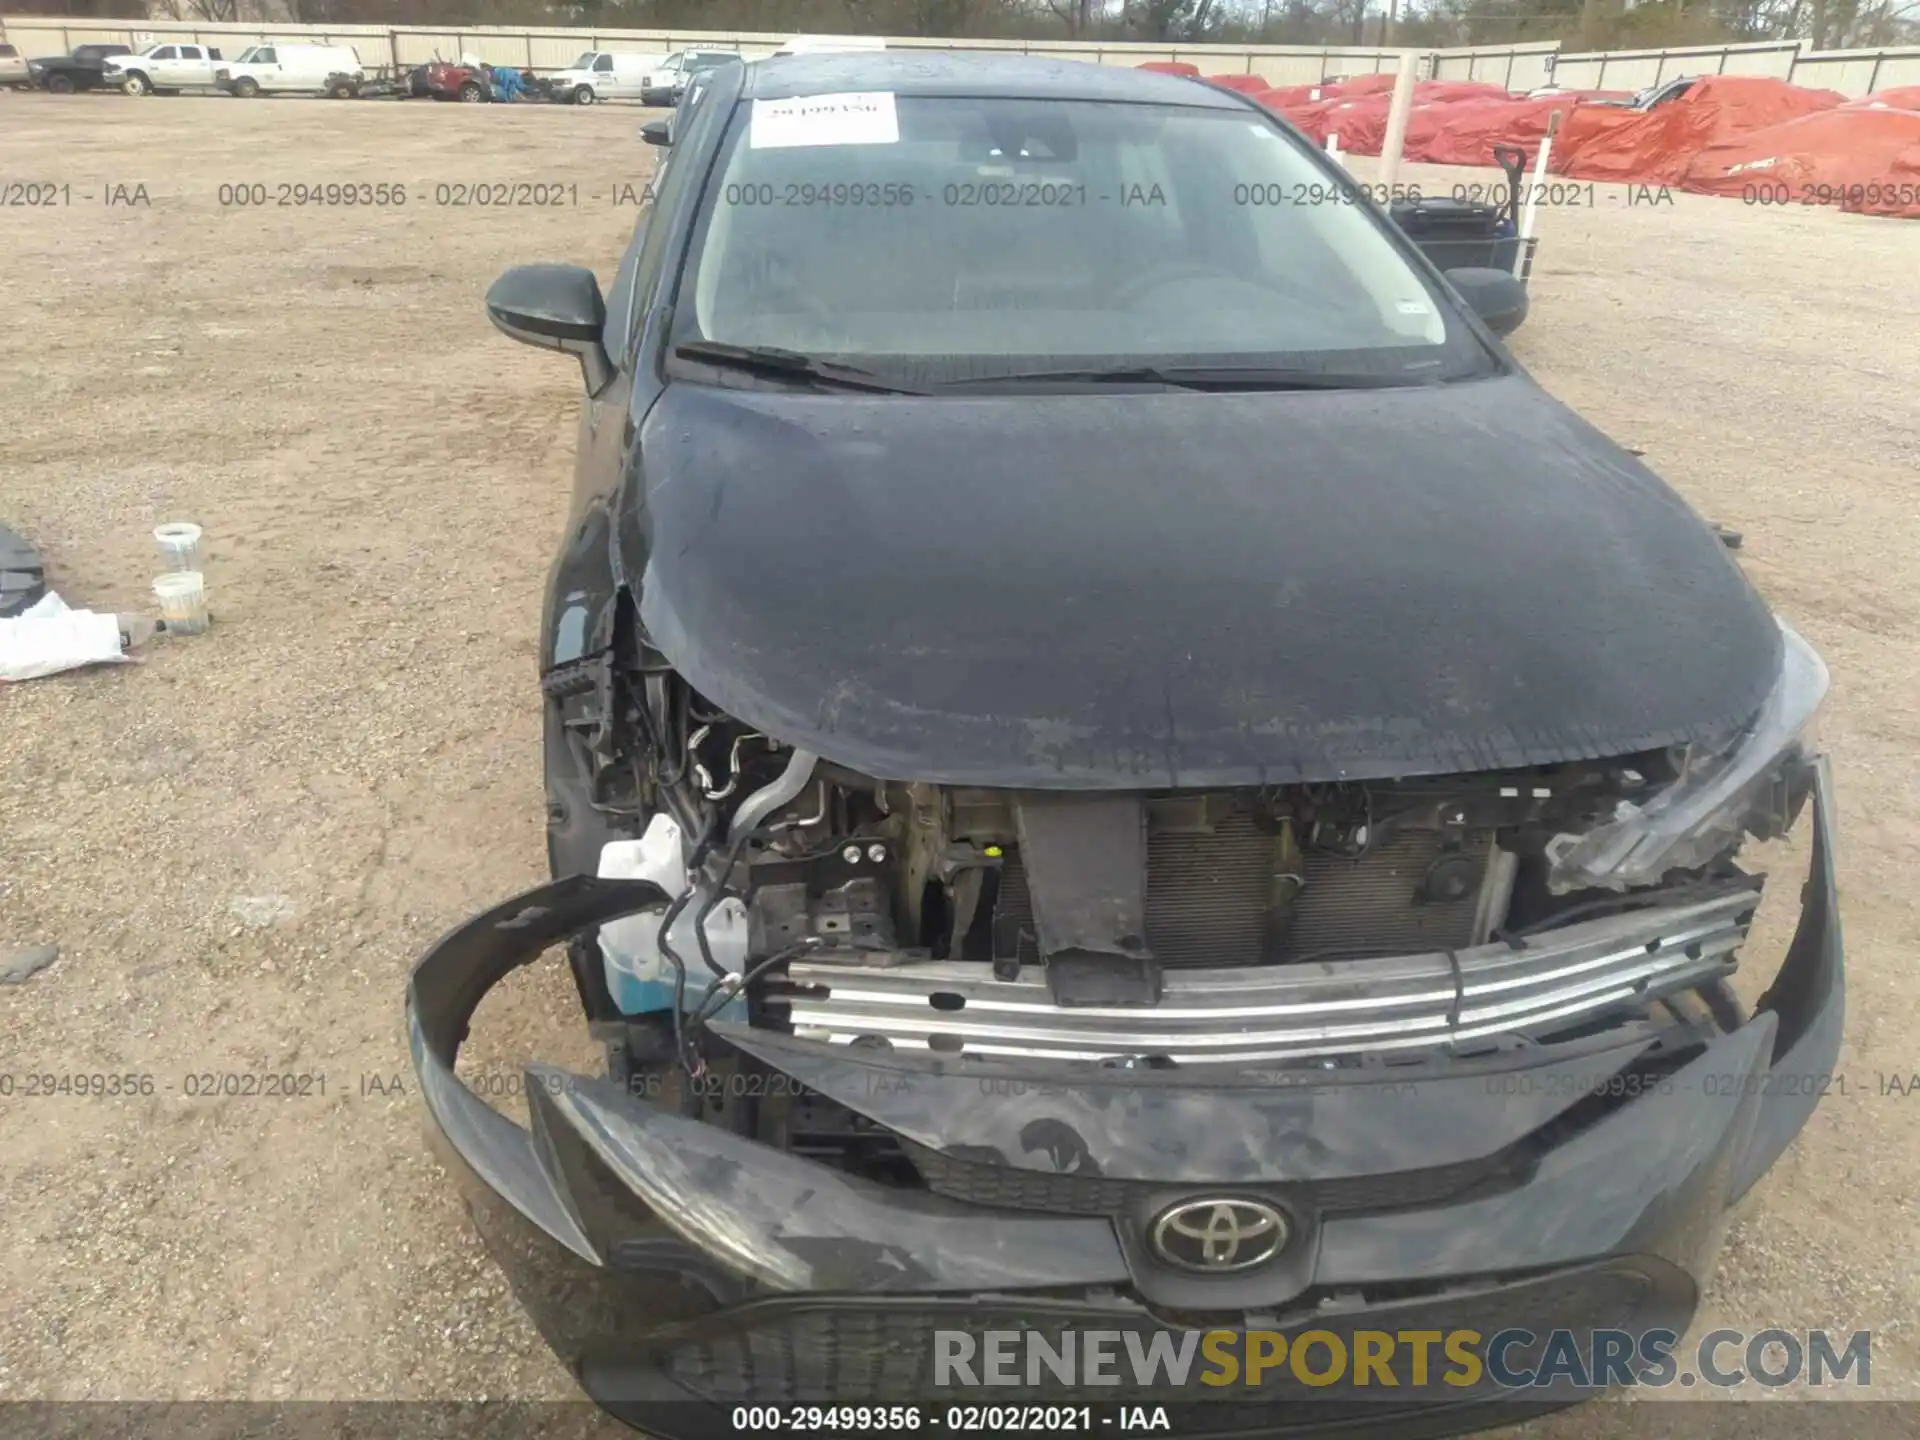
(164, 69)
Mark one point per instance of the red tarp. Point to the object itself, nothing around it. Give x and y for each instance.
(1465, 133)
(1170, 67)
(1899, 189)
(1845, 156)
(1245, 84)
(1749, 137)
(1453, 92)
(1358, 85)
(1282, 96)
(1899, 97)
(1326, 92)
(1654, 147)
(1428, 123)
(1360, 120)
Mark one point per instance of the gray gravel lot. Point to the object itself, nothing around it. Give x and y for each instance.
(241, 845)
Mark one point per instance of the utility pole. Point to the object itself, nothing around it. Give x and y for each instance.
(1393, 16)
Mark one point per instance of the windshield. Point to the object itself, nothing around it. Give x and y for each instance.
(585, 62)
(247, 54)
(949, 239)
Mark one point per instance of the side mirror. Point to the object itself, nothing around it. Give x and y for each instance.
(557, 307)
(1494, 295)
(657, 132)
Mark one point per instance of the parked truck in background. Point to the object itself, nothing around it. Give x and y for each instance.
(84, 69)
(163, 69)
(668, 82)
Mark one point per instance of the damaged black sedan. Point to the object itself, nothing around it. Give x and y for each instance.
(1113, 763)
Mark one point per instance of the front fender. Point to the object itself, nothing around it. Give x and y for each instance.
(582, 593)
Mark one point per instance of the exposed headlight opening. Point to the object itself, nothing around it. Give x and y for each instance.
(1754, 784)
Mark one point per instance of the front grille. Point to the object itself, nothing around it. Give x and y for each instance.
(1209, 894)
(814, 1351)
(1007, 1188)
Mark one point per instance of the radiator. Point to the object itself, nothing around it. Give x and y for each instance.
(1208, 895)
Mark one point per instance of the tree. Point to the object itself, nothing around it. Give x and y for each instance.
(1076, 15)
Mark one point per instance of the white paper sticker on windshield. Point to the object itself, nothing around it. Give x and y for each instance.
(1413, 307)
(864, 117)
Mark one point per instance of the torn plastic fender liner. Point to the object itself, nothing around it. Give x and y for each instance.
(784, 1222)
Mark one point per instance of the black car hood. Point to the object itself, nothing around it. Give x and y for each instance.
(1165, 589)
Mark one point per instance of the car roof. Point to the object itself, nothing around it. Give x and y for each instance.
(936, 72)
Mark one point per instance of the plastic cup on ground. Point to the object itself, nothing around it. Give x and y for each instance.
(179, 546)
(183, 601)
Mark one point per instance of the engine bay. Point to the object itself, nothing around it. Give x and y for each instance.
(793, 876)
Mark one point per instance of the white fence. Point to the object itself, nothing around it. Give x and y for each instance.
(1518, 67)
(551, 49)
(1851, 72)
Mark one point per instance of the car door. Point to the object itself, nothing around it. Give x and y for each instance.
(192, 67)
(162, 65)
(604, 81)
(266, 68)
(298, 67)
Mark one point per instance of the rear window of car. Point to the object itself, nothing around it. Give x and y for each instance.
(960, 238)
(7, 52)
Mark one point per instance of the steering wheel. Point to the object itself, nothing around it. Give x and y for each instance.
(785, 285)
(1145, 282)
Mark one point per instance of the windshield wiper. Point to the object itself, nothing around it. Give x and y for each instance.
(1210, 377)
(784, 364)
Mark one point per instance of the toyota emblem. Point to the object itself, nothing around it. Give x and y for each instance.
(1215, 1237)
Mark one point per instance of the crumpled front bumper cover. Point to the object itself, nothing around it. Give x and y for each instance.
(670, 1260)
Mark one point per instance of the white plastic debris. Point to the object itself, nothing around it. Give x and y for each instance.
(183, 601)
(47, 637)
(179, 544)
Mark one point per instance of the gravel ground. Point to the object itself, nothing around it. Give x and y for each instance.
(241, 845)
